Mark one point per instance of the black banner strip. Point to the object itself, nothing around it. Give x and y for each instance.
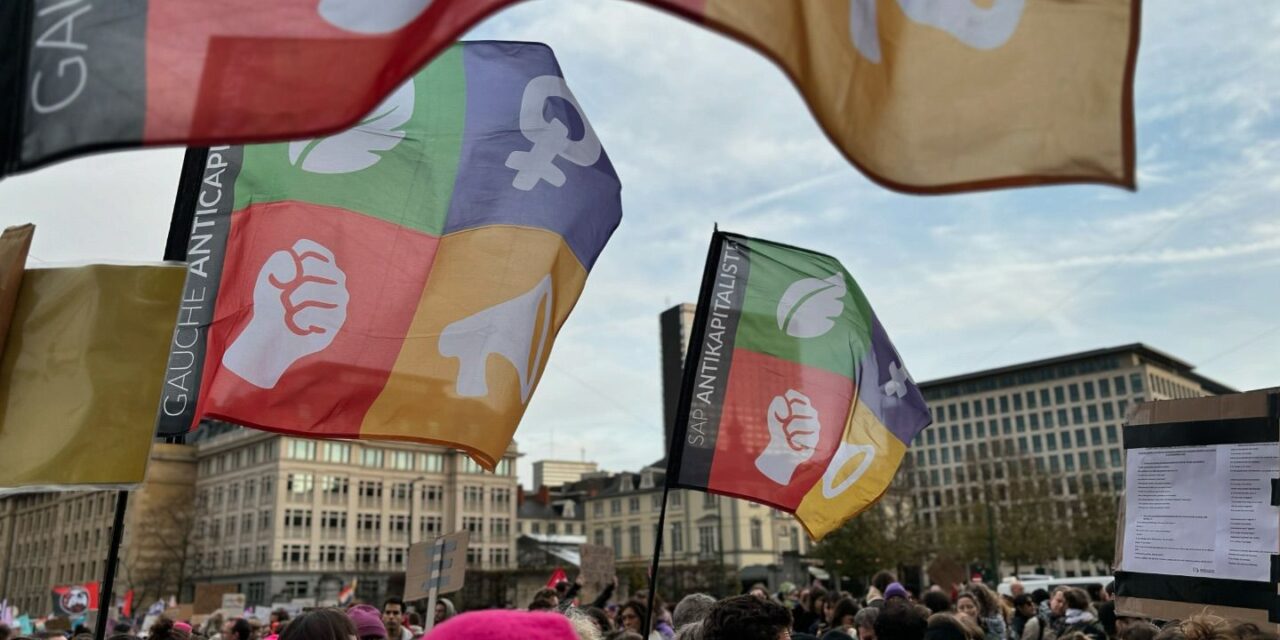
(1275, 492)
(15, 48)
(1223, 592)
(1201, 433)
(1275, 567)
(207, 230)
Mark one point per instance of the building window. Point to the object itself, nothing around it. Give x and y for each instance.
(399, 526)
(1135, 382)
(296, 519)
(371, 457)
(370, 493)
(430, 526)
(500, 529)
(431, 462)
(535, 527)
(552, 529)
(366, 556)
(295, 554)
(296, 588)
(617, 542)
(1104, 388)
(297, 449)
(499, 558)
(298, 483)
(1111, 434)
(503, 468)
(334, 489)
(634, 535)
(708, 540)
(710, 501)
(402, 460)
(633, 505)
(501, 498)
(597, 509)
(433, 497)
(333, 553)
(337, 452)
(395, 557)
(599, 535)
(615, 507)
(472, 498)
(334, 520)
(475, 526)
(400, 494)
(677, 537)
(470, 466)
(757, 534)
(1120, 387)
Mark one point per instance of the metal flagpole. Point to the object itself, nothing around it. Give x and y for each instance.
(175, 249)
(680, 428)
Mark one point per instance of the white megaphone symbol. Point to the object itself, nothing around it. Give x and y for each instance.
(844, 454)
(506, 329)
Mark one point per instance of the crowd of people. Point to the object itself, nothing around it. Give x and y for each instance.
(888, 611)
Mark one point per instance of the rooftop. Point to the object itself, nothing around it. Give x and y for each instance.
(1059, 366)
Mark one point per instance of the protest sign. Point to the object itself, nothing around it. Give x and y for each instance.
(1199, 528)
(596, 566)
(436, 567)
(209, 597)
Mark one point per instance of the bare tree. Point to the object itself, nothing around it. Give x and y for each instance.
(165, 553)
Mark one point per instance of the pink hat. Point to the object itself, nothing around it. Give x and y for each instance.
(368, 621)
(505, 625)
(182, 626)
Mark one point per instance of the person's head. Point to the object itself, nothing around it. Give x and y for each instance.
(583, 626)
(320, 624)
(600, 617)
(1138, 630)
(542, 604)
(392, 613)
(444, 610)
(846, 610)
(936, 601)
(1024, 605)
(1076, 599)
(746, 618)
(988, 604)
(368, 622)
(5, 631)
(895, 590)
(900, 620)
(120, 627)
(1058, 602)
(279, 616)
(1016, 588)
(692, 608)
(691, 631)
(945, 626)
(500, 623)
(967, 605)
(1039, 595)
(1197, 627)
(1249, 631)
(817, 596)
(759, 590)
(237, 629)
(549, 595)
(631, 616)
(562, 587)
(163, 629)
(865, 622)
(882, 579)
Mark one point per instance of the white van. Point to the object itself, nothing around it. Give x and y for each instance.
(1049, 583)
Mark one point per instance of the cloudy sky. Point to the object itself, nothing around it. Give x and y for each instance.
(703, 130)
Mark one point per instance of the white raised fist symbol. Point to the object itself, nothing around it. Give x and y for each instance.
(299, 305)
(793, 436)
(980, 27)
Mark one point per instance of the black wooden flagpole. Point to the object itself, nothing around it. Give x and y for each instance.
(175, 249)
(680, 428)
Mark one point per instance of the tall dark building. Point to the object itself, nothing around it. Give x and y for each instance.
(676, 324)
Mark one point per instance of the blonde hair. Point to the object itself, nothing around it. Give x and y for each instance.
(1202, 626)
(583, 626)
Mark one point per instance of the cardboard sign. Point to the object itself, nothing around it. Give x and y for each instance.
(57, 623)
(596, 567)
(180, 612)
(209, 597)
(233, 601)
(440, 564)
(1198, 426)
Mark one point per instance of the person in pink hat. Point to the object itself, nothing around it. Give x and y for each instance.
(504, 625)
(368, 621)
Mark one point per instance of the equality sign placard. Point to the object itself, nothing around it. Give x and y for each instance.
(441, 564)
(596, 566)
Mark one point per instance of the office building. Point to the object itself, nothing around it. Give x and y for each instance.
(1064, 415)
(297, 518)
(553, 473)
(675, 327)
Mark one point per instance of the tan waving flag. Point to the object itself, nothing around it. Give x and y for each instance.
(926, 96)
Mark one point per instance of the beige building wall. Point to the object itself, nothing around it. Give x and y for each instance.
(1066, 413)
(700, 527)
(553, 473)
(294, 517)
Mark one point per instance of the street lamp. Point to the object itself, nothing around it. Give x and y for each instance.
(413, 498)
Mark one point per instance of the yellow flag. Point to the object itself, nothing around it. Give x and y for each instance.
(14, 244)
(935, 96)
(80, 378)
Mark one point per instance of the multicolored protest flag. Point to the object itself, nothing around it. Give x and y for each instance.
(404, 279)
(922, 95)
(794, 397)
(74, 600)
(81, 375)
